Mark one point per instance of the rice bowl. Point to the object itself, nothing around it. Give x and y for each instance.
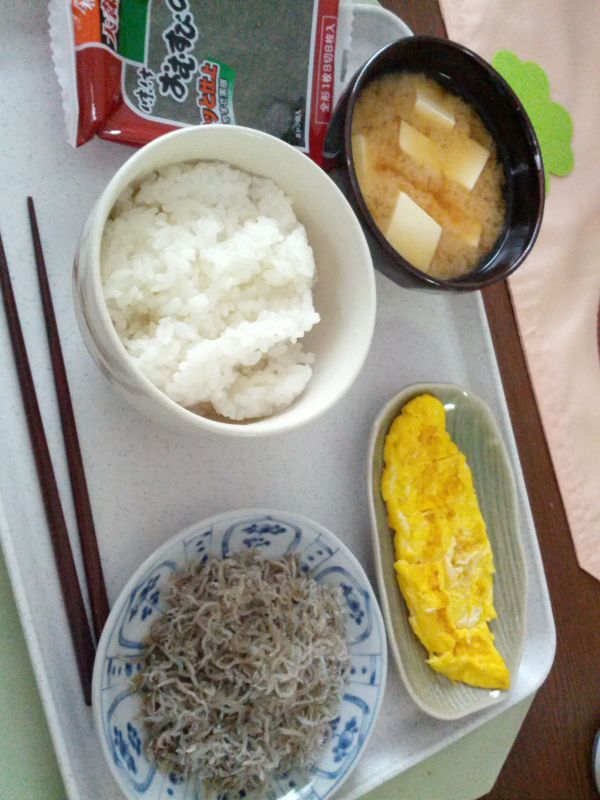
(343, 294)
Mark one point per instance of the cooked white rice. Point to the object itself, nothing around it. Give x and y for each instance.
(207, 276)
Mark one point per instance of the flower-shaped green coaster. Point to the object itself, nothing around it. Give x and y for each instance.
(552, 122)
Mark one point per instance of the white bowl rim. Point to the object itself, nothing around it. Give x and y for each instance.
(156, 555)
(97, 220)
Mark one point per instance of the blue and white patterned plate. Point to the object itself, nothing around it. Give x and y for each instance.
(275, 534)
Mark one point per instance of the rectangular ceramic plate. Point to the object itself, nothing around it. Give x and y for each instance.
(147, 483)
(473, 429)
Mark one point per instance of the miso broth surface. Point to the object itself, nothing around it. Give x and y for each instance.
(382, 105)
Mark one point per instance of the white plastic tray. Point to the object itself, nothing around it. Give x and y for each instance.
(147, 483)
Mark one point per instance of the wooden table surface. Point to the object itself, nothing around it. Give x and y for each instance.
(551, 758)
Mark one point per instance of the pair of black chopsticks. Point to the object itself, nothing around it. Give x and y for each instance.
(81, 635)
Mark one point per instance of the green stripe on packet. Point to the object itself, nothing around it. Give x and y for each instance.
(133, 19)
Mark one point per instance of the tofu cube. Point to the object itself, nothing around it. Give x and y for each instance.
(413, 233)
(432, 111)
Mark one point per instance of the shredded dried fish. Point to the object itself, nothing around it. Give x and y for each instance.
(244, 673)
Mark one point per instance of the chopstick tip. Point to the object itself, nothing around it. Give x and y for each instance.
(33, 221)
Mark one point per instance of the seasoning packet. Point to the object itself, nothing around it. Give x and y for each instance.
(131, 70)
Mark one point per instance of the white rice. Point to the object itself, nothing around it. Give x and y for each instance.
(207, 276)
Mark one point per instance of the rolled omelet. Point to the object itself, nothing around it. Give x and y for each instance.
(444, 563)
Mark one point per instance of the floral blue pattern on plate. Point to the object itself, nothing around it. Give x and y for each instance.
(274, 534)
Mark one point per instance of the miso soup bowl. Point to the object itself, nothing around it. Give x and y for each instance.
(344, 293)
(465, 74)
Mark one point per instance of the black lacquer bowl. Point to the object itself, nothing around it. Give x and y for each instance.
(463, 73)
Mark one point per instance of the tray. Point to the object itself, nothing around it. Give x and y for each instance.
(147, 483)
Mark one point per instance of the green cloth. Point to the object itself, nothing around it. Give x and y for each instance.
(552, 122)
(28, 768)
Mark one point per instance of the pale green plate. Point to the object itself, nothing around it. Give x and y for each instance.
(472, 426)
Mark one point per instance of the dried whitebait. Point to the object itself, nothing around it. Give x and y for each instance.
(244, 673)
